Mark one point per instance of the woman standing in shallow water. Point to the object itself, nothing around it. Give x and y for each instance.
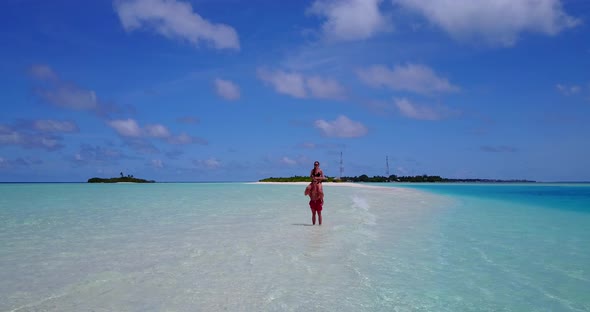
(316, 192)
(317, 176)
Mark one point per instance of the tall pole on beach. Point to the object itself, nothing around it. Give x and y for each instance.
(387, 166)
(341, 166)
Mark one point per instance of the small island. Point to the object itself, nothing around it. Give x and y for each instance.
(394, 178)
(121, 179)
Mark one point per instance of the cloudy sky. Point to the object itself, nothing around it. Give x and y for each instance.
(228, 90)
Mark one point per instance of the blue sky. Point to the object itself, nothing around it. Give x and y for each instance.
(233, 90)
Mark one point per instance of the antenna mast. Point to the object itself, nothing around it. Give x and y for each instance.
(387, 166)
(341, 166)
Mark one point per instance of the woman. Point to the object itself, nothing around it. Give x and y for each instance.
(315, 192)
(317, 176)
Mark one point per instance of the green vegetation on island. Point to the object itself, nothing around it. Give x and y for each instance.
(394, 178)
(294, 179)
(122, 178)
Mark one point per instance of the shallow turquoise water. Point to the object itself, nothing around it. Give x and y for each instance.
(564, 196)
(519, 246)
(250, 247)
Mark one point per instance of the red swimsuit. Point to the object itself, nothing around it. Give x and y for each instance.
(315, 205)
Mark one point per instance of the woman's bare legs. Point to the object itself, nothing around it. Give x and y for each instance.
(313, 213)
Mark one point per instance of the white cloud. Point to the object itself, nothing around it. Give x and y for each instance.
(43, 72)
(157, 163)
(55, 126)
(65, 94)
(410, 77)
(18, 162)
(176, 20)
(342, 127)
(157, 131)
(350, 19)
(227, 89)
(325, 88)
(288, 161)
(71, 97)
(130, 129)
(297, 85)
(568, 90)
(287, 83)
(126, 128)
(9, 136)
(211, 163)
(493, 21)
(50, 143)
(422, 112)
(89, 154)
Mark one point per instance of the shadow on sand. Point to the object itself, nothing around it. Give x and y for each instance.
(302, 224)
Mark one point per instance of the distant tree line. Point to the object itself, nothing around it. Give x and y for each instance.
(420, 178)
(391, 178)
(293, 179)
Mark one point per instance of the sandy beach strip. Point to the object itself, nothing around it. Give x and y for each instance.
(306, 183)
(330, 184)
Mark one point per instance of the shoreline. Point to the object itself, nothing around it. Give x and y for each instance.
(338, 184)
(306, 183)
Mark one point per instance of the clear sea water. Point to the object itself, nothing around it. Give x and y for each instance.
(251, 247)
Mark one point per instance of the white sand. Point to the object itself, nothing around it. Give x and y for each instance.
(330, 184)
(306, 183)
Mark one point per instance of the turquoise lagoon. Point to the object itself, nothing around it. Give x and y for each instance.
(251, 247)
